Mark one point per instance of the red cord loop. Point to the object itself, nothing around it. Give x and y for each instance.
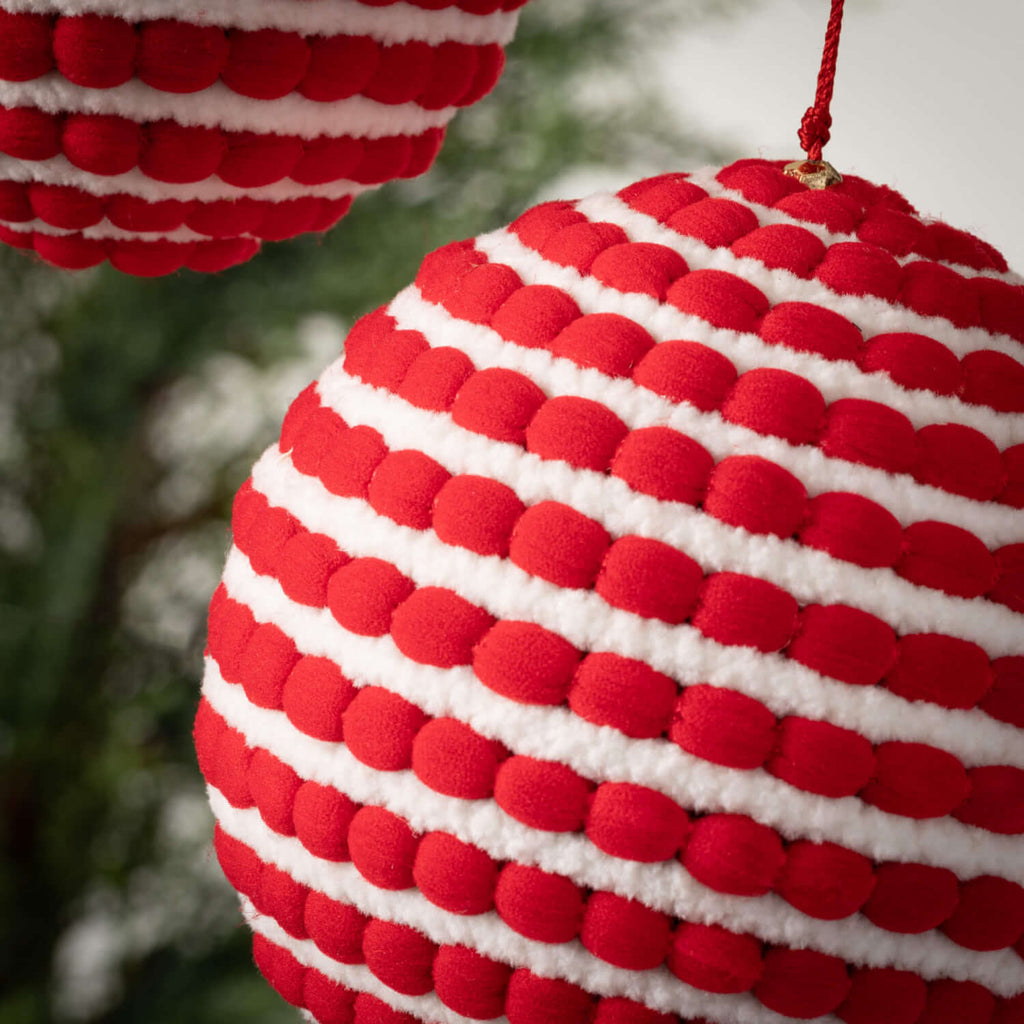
(814, 129)
(814, 132)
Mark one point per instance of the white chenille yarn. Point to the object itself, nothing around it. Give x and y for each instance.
(627, 628)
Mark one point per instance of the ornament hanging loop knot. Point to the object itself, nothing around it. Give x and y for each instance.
(814, 132)
(817, 121)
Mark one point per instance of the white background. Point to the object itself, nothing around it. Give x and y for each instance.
(929, 98)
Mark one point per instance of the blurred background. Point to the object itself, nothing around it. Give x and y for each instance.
(131, 410)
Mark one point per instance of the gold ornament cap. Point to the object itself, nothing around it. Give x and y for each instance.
(817, 174)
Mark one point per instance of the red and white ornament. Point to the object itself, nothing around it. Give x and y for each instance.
(167, 133)
(627, 629)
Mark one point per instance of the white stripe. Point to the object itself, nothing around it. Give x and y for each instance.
(589, 623)
(398, 23)
(707, 179)
(570, 962)
(666, 887)
(811, 576)
(638, 407)
(602, 754)
(833, 379)
(656, 988)
(871, 314)
(104, 229)
(59, 171)
(357, 977)
(219, 107)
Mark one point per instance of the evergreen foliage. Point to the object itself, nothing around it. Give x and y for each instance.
(130, 411)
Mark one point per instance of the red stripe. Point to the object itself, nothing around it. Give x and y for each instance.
(133, 256)
(435, 626)
(728, 852)
(622, 932)
(166, 151)
(744, 491)
(101, 52)
(70, 208)
(772, 402)
(481, 515)
(560, 233)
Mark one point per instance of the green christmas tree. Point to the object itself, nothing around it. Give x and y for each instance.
(130, 413)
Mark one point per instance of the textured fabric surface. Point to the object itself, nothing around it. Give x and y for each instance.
(160, 134)
(627, 628)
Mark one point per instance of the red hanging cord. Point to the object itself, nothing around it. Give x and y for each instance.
(814, 129)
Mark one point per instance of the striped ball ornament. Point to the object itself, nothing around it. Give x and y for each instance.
(629, 628)
(160, 134)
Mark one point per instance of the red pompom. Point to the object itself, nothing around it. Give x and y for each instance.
(435, 626)
(748, 491)
(607, 342)
(882, 995)
(745, 611)
(534, 315)
(844, 643)
(916, 780)
(315, 697)
(382, 847)
(716, 222)
(525, 662)
(722, 299)
(454, 875)
(989, 914)
(399, 956)
(542, 794)
(802, 982)
(664, 464)
(497, 403)
(723, 726)
(539, 905)
(821, 757)
(469, 983)
(404, 486)
(477, 513)
(636, 823)
(911, 898)
(685, 371)
(870, 433)
(535, 1000)
(639, 267)
(364, 593)
(712, 959)
(624, 693)
(322, 817)
(825, 880)
(559, 544)
(776, 402)
(624, 932)
(650, 579)
(453, 759)
(380, 728)
(575, 430)
(336, 928)
(734, 854)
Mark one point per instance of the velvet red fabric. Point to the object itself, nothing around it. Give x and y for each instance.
(624, 631)
(410, 75)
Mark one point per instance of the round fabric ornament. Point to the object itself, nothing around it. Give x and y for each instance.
(161, 134)
(629, 627)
